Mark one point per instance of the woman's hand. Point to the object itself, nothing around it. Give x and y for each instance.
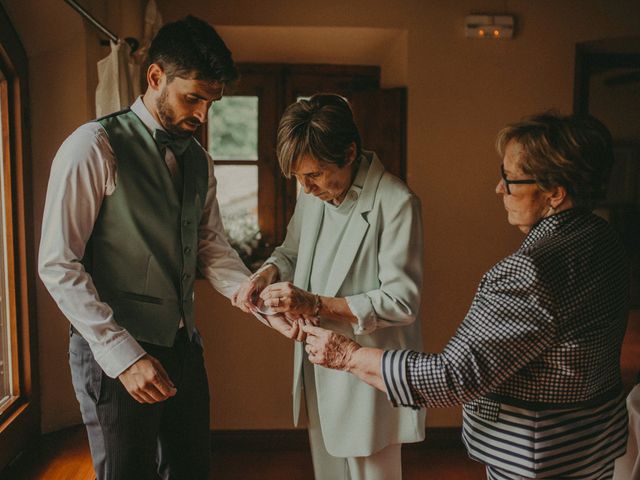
(332, 350)
(244, 298)
(285, 297)
(328, 348)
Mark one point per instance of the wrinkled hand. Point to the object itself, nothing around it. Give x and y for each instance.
(328, 348)
(285, 297)
(291, 325)
(147, 381)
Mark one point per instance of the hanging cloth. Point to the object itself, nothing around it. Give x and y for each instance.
(118, 80)
(119, 74)
(152, 23)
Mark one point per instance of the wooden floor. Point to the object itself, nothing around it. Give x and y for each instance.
(65, 455)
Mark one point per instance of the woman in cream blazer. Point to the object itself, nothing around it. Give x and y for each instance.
(352, 261)
(536, 360)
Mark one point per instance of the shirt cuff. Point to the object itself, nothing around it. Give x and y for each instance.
(118, 358)
(360, 306)
(394, 373)
(285, 273)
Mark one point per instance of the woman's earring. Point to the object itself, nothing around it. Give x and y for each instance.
(551, 211)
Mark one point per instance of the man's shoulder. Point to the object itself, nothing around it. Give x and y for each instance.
(87, 141)
(86, 134)
(112, 115)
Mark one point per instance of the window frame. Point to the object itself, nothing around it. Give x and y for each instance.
(262, 83)
(277, 86)
(20, 421)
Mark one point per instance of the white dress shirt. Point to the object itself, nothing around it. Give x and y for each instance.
(83, 172)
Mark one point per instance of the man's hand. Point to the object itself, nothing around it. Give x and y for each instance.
(291, 325)
(244, 298)
(147, 381)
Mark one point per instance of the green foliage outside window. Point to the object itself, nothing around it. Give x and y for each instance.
(233, 135)
(233, 128)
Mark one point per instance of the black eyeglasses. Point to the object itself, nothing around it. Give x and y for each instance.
(508, 182)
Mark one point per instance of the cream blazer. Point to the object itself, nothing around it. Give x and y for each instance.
(378, 269)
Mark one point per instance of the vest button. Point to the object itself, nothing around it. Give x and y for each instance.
(187, 250)
(186, 223)
(186, 276)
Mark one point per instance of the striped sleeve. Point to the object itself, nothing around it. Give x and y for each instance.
(394, 373)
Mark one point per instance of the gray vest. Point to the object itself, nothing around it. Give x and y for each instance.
(143, 249)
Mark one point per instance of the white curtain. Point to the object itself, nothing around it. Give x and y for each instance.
(119, 73)
(116, 86)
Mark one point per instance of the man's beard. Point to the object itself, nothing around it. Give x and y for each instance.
(167, 116)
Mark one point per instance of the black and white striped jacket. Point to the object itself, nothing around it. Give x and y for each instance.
(536, 361)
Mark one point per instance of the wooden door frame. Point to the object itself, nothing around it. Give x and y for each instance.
(20, 423)
(286, 82)
(587, 62)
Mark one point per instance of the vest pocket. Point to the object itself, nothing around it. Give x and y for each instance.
(140, 298)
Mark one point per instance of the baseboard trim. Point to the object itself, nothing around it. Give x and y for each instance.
(297, 439)
(440, 437)
(258, 440)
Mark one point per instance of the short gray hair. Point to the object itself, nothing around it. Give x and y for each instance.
(322, 127)
(572, 151)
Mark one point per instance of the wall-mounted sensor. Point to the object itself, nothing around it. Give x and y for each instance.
(497, 27)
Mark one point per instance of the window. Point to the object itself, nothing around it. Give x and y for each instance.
(256, 201)
(19, 413)
(7, 391)
(233, 145)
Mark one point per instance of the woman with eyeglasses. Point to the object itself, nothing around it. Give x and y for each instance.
(536, 361)
(352, 258)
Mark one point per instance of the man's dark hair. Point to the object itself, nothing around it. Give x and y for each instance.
(191, 48)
